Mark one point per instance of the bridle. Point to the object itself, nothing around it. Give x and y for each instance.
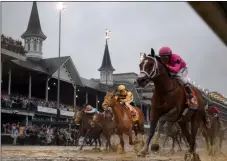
(153, 73)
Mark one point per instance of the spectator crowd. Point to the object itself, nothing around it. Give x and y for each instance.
(22, 102)
(34, 134)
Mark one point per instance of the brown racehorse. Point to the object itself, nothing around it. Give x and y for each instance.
(123, 118)
(212, 133)
(169, 96)
(109, 126)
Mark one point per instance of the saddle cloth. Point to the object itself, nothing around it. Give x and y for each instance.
(194, 100)
(134, 114)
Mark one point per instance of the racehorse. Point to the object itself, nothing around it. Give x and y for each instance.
(170, 97)
(84, 119)
(172, 130)
(212, 133)
(109, 125)
(123, 118)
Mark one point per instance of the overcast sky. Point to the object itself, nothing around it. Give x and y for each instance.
(135, 26)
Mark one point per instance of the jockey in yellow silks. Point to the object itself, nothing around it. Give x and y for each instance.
(125, 97)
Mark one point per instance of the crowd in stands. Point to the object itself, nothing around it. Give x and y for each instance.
(13, 45)
(34, 134)
(19, 101)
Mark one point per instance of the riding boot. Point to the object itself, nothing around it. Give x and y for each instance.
(188, 90)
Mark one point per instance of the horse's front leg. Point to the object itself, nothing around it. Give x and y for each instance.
(164, 143)
(153, 123)
(207, 142)
(179, 144)
(85, 139)
(194, 129)
(185, 131)
(130, 136)
(122, 148)
(173, 144)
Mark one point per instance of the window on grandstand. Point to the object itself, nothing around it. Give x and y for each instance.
(40, 46)
(28, 43)
(35, 45)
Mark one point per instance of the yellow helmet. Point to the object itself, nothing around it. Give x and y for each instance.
(121, 87)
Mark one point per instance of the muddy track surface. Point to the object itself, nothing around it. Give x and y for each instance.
(68, 153)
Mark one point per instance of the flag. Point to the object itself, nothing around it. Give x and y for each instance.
(108, 34)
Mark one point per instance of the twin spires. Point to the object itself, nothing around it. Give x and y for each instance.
(106, 69)
(34, 35)
(106, 61)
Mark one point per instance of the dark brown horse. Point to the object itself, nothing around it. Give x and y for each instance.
(123, 118)
(212, 134)
(84, 119)
(109, 125)
(169, 97)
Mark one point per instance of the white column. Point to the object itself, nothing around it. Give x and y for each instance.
(47, 91)
(97, 103)
(86, 98)
(30, 87)
(26, 121)
(1, 74)
(9, 82)
(51, 118)
(74, 103)
(148, 114)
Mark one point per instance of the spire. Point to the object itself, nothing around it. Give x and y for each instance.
(34, 27)
(106, 61)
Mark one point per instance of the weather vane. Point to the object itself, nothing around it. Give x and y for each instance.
(108, 34)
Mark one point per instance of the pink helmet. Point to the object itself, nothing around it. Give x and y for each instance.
(165, 51)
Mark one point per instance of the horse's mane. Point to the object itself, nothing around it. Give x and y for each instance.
(160, 61)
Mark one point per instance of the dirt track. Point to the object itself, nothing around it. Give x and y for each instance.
(63, 153)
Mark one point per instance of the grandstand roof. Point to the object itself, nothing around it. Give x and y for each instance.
(50, 66)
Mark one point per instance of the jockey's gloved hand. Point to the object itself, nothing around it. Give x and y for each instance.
(121, 103)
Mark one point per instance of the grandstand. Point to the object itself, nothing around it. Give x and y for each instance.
(29, 82)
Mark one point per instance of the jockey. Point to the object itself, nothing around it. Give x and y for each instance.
(90, 109)
(125, 96)
(214, 111)
(177, 67)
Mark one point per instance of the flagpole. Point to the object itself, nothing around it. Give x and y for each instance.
(106, 71)
(108, 34)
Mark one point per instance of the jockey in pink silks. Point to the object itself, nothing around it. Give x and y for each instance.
(177, 67)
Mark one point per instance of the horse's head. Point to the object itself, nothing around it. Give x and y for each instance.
(78, 115)
(150, 68)
(108, 114)
(109, 99)
(97, 117)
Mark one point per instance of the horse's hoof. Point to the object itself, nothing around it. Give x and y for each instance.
(172, 151)
(179, 150)
(119, 148)
(143, 152)
(98, 149)
(136, 142)
(155, 147)
(196, 157)
(188, 157)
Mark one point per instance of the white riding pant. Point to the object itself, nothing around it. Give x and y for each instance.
(182, 76)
